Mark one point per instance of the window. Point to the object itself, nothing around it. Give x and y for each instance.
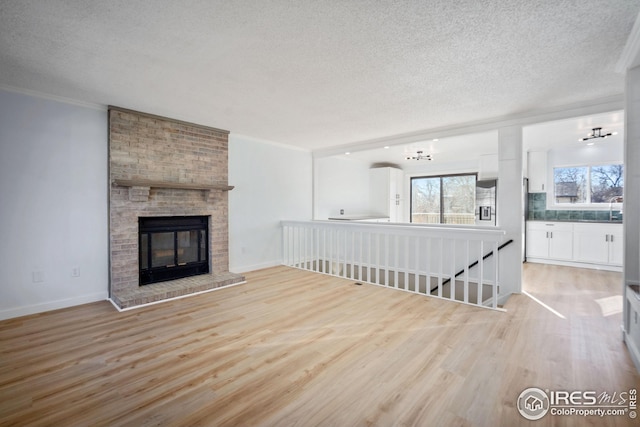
(446, 199)
(588, 184)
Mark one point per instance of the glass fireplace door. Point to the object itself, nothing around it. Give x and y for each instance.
(173, 248)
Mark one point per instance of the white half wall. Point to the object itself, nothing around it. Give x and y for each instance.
(53, 204)
(272, 183)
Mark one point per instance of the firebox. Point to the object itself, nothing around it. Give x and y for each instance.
(173, 247)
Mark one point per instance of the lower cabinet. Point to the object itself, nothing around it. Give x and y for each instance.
(550, 240)
(584, 243)
(598, 243)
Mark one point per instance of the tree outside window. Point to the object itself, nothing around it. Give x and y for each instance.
(425, 200)
(570, 184)
(607, 182)
(588, 184)
(447, 199)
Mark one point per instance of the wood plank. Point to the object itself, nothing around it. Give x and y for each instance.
(171, 185)
(292, 347)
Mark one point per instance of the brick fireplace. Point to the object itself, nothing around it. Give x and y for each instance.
(161, 167)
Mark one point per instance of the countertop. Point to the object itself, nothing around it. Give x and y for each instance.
(358, 217)
(586, 221)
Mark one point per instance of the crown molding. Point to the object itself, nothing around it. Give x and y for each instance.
(50, 97)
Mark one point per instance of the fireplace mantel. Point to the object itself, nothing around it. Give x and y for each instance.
(172, 185)
(139, 188)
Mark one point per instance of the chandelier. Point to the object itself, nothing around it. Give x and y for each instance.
(420, 156)
(597, 133)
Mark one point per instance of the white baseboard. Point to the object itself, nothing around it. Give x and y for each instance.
(575, 264)
(52, 305)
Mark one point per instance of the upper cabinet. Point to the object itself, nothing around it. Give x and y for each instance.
(387, 193)
(537, 169)
(488, 167)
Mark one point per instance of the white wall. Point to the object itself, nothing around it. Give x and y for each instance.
(53, 204)
(341, 183)
(272, 182)
(631, 225)
(604, 152)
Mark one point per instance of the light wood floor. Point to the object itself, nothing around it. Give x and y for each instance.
(292, 348)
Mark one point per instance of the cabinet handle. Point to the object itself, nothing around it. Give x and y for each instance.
(611, 238)
(551, 232)
(547, 234)
(606, 237)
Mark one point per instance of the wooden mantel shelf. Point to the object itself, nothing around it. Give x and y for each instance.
(172, 185)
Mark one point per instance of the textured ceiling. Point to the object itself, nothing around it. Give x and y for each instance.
(318, 73)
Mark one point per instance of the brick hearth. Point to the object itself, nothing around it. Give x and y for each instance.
(150, 149)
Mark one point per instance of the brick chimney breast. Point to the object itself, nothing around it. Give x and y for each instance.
(183, 168)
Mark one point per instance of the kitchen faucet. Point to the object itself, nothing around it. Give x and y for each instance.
(616, 199)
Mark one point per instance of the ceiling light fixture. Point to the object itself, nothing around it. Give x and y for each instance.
(596, 133)
(420, 156)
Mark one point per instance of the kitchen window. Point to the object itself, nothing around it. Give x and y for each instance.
(443, 199)
(592, 184)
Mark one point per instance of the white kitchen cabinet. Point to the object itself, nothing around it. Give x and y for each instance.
(550, 240)
(591, 245)
(537, 171)
(598, 243)
(537, 242)
(387, 193)
(616, 245)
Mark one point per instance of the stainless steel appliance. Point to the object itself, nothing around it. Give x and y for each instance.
(486, 202)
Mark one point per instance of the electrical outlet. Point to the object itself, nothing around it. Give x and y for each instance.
(75, 272)
(37, 276)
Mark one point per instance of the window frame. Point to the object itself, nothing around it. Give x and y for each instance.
(440, 176)
(552, 204)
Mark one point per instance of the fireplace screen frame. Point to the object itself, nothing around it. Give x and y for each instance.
(148, 226)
